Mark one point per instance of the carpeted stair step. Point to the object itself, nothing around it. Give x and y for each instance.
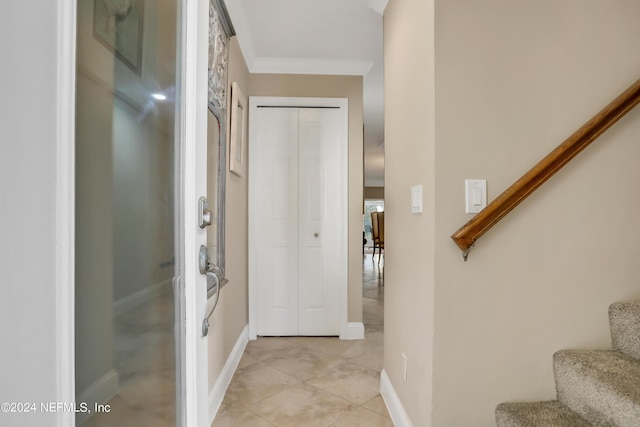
(538, 414)
(602, 386)
(624, 319)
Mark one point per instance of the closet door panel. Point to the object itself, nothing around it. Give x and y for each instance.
(298, 183)
(274, 224)
(322, 191)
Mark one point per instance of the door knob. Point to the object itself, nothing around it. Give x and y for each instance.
(316, 234)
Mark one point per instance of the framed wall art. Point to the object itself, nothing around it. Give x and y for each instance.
(238, 140)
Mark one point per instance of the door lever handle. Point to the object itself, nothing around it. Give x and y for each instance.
(212, 283)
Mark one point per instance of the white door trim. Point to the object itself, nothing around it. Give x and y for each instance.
(193, 136)
(343, 103)
(193, 122)
(65, 208)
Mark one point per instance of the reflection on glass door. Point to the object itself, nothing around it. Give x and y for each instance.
(126, 128)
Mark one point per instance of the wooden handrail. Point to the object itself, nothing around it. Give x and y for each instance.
(469, 233)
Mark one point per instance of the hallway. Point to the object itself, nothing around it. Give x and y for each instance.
(313, 381)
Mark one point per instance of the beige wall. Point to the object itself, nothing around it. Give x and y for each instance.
(409, 239)
(333, 87)
(31, 271)
(230, 317)
(513, 79)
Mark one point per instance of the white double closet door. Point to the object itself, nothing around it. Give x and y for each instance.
(297, 216)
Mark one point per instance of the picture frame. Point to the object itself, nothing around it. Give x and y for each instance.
(238, 139)
(118, 25)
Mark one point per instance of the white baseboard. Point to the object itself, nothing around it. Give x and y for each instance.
(398, 415)
(127, 303)
(101, 391)
(216, 394)
(353, 331)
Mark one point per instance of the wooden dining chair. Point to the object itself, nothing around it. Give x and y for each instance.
(380, 235)
(374, 231)
(377, 232)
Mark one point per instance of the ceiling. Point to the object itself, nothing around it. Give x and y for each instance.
(339, 37)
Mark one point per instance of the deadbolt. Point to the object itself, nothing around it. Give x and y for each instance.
(205, 217)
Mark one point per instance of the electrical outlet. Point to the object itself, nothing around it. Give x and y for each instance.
(404, 369)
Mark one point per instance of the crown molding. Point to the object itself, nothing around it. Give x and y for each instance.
(347, 67)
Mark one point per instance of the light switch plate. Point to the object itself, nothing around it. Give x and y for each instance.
(475, 195)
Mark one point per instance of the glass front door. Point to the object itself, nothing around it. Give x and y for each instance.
(126, 132)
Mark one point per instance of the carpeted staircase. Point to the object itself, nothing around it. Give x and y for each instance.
(594, 387)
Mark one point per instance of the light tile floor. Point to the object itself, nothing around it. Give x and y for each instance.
(313, 381)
